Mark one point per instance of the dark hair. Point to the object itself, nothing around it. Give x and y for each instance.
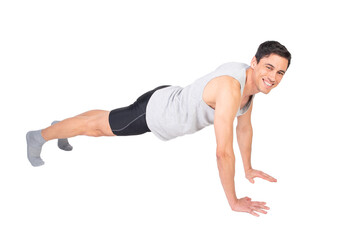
(272, 47)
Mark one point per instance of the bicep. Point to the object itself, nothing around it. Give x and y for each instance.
(227, 104)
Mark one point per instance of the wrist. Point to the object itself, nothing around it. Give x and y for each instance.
(231, 198)
(232, 202)
(247, 165)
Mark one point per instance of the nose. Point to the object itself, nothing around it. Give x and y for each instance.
(271, 76)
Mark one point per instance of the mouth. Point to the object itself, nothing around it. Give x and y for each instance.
(267, 83)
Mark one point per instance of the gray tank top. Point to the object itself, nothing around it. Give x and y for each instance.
(175, 111)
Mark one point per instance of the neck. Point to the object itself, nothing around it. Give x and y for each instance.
(250, 87)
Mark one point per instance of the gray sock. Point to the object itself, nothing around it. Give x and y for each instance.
(34, 141)
(63, 143)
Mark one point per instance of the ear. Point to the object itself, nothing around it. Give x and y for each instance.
(254, 62)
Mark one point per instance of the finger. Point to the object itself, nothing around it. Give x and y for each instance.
(251, 180)
(267, 176)
(253, 213)
(261, 205)
(258, 209)
(261, 211)
(270, 178)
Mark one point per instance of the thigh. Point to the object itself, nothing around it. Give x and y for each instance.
(130, 120)
(97, 121)
(104, 124)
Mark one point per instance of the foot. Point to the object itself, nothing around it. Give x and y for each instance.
(35, 141)
(63, 143)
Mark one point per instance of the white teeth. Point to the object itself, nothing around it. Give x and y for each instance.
(268, 84)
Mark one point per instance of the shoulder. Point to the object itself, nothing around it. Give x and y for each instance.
(235, 70)
(228, 87)
(232, 66)
(226, 83)
(225, 88)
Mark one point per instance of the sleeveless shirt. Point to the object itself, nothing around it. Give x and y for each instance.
(175, 111)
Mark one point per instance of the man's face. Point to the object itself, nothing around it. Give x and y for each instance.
(268, 72)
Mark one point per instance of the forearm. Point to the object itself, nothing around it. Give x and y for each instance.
(226, 168)
(244, 139)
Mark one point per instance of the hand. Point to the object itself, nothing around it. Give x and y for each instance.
(252, 173)
(246, 205)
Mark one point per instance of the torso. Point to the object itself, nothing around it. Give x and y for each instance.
(176, 111)
(209, 93)
(244, 101)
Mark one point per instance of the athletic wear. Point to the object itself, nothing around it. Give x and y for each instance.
(176, 111)
(34, 142)
(131, 120)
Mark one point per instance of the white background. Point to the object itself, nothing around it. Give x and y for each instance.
(62, 58)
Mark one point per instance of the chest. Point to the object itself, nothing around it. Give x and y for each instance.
(244, 101)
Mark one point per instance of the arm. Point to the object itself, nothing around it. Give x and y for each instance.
(244, 132)
(227, 103)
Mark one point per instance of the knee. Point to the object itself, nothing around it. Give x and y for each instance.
(95, 133)
(91, 127)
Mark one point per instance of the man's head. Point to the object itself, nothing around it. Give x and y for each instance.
(269, 65)
(272, 47)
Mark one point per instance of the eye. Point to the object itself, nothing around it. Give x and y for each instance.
(268, 67)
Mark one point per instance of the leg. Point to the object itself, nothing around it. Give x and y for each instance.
(93, 123)
(63, 143)
(125, 121)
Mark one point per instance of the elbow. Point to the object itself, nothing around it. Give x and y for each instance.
(223, 154)
(225, 161)
(243, 129)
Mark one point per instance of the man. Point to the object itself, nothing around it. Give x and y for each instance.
(170, 111)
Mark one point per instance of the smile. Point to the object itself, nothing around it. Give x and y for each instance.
(268, 84)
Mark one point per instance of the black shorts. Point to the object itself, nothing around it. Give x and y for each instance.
(131, 120)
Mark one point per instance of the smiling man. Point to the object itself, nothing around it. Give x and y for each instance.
(172, 111)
